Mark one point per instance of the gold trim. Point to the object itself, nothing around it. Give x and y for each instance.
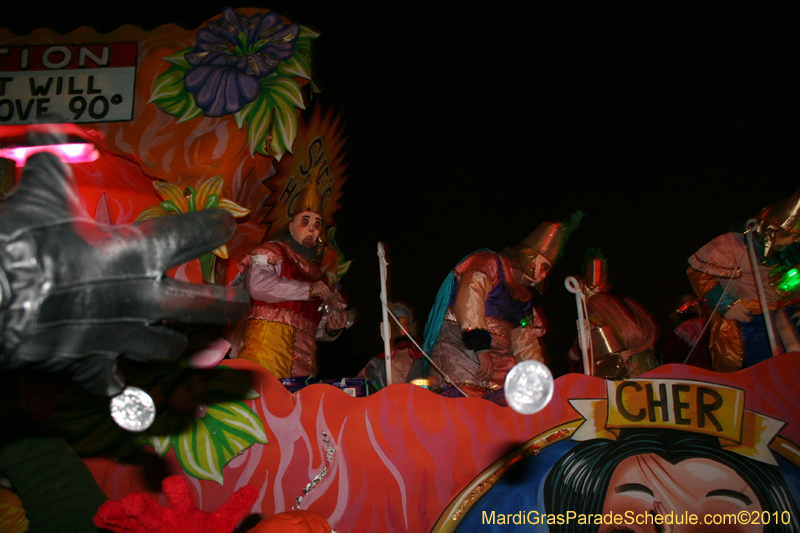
(449, 519)
(786, 449)
(463, 502)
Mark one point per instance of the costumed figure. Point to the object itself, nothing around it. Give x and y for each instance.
(294, 298)
(623, 333)
(483, 321)
(687, 342)
(721, 273)
(407, 359)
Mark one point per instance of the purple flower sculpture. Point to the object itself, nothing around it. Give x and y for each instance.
(230, 57)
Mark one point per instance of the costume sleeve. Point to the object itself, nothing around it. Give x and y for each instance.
(708, 287)
(718, 294)
(720, 257)
(473, 290)
(525, 345)
(264, 282)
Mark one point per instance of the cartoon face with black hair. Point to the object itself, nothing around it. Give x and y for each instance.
(667, 471)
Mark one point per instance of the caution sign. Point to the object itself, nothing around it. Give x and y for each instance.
(67, 83)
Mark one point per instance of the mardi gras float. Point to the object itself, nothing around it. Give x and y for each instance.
(171, 123)
(168, 123)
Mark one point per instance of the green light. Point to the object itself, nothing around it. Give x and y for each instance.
(790, 281)
(525, 322)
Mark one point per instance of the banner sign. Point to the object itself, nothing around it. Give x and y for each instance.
(77, 83)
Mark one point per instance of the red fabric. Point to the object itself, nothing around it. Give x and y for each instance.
(404, 454)
(308, 308)
(636, 327)
(292, 268)
(293, 522)
(139, 512)
(413, 351)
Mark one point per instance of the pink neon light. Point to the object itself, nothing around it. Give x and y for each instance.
(69, 153)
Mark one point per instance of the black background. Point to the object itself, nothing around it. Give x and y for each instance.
(471, 122)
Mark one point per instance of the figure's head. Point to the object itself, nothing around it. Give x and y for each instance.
(306, 225)
(779, 224)
(405, 316)
(534, 257)
(697, 485)
(536, 272)
(684, 471)
(305, 228)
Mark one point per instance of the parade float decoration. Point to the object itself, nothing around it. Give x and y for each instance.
(206, 196)
(406, 459)
(234, 98)
(225, 115)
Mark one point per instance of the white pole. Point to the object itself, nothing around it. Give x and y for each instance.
(752, 224)
(426, 356)
(385, 309)
(574, 287)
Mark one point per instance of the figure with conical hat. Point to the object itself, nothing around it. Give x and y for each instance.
(294, 300)
(721, 273)
(484, 321)
(623, 333)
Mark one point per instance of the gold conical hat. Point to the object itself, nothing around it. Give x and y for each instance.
(784, 215)
(547, 240)
(310, 199)
(596, 279)
(596, 272)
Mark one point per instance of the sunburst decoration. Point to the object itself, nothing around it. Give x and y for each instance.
(320, 142)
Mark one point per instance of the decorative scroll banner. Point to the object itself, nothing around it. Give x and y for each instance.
(672, 404)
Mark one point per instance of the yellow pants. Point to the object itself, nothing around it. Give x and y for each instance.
(270, 344)
(284, 350)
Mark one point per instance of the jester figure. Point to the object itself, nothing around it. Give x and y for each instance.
(291, 281)
(484, 321)
(721, 273)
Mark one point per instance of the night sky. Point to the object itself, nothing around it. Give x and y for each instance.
(665, 123)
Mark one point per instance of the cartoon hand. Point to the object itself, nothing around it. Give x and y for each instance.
(659, 509)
